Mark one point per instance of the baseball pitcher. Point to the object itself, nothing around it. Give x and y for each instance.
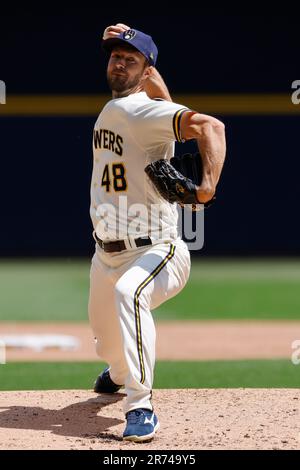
(140, 260)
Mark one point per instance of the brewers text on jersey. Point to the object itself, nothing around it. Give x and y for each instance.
(106, 139)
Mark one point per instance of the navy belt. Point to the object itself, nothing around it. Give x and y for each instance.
(119, 245)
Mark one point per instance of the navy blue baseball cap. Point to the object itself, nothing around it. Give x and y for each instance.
(140, 41)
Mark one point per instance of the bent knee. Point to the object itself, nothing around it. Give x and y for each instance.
(128, 293)
(124, 291)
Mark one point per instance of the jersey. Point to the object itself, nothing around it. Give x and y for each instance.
(129, 133)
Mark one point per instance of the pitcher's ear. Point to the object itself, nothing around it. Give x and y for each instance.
(148, 71)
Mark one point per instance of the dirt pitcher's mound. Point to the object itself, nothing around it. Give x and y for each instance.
(190, 419)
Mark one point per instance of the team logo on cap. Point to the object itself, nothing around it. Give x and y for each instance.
(129, 34)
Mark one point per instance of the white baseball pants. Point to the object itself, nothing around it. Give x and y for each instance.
(124, 287)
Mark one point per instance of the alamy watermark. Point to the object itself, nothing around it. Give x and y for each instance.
(296, 94)
(2, 353)
(2, 92)
(159, 221)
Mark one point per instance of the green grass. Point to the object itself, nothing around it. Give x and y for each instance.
(235, 300)
(233, 289)
(238, 289)
(168, 374)
(44, 290)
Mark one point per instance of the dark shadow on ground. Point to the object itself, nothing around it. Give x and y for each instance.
(76, 420)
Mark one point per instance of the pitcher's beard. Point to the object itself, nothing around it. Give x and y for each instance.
(122, 84)
(118, 84)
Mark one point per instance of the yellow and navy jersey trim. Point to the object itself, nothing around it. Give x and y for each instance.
(176, 124)
(137, 294)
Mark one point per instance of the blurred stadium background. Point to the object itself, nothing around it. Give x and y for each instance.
(238, 68)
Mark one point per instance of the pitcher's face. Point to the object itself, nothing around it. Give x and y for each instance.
(125, 69)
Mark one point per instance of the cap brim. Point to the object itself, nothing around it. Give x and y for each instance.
(109, 44)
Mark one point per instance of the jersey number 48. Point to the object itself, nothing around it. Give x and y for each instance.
(115, 175)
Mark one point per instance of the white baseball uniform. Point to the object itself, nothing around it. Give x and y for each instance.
(125, 286)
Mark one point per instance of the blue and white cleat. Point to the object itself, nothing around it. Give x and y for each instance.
(141, 425)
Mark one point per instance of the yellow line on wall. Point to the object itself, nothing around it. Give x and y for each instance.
(91, 105)
(241, 104)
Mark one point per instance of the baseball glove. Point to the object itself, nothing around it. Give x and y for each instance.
(177, 180)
